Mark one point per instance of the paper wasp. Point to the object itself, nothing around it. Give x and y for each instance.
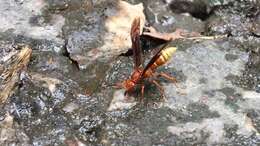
(141, 73)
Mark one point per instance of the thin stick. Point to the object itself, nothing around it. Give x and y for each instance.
(206, 37)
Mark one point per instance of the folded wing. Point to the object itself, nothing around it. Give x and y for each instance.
(135, 38)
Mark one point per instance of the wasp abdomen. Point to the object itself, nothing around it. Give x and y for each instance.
(166, 54)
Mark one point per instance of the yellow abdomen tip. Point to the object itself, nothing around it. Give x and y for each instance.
(168, 52)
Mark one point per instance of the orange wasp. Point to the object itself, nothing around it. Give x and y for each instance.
(139, 74)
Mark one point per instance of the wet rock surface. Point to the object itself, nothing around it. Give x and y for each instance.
(65, 96)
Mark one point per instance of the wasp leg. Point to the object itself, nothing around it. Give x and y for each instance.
(142, 93)
(169, 78)
(118, 85)
(160, 88)
(127, 95)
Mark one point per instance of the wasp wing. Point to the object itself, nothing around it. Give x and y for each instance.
(135, 38)
(155, 57)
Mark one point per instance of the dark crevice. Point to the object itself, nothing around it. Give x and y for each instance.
(147, 44)
(198, 10)
(255, 35)
(67, 54)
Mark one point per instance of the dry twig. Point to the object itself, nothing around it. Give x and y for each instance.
(11, 72)
(178, 34)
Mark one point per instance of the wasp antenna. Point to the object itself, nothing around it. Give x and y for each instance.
(116, 85)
